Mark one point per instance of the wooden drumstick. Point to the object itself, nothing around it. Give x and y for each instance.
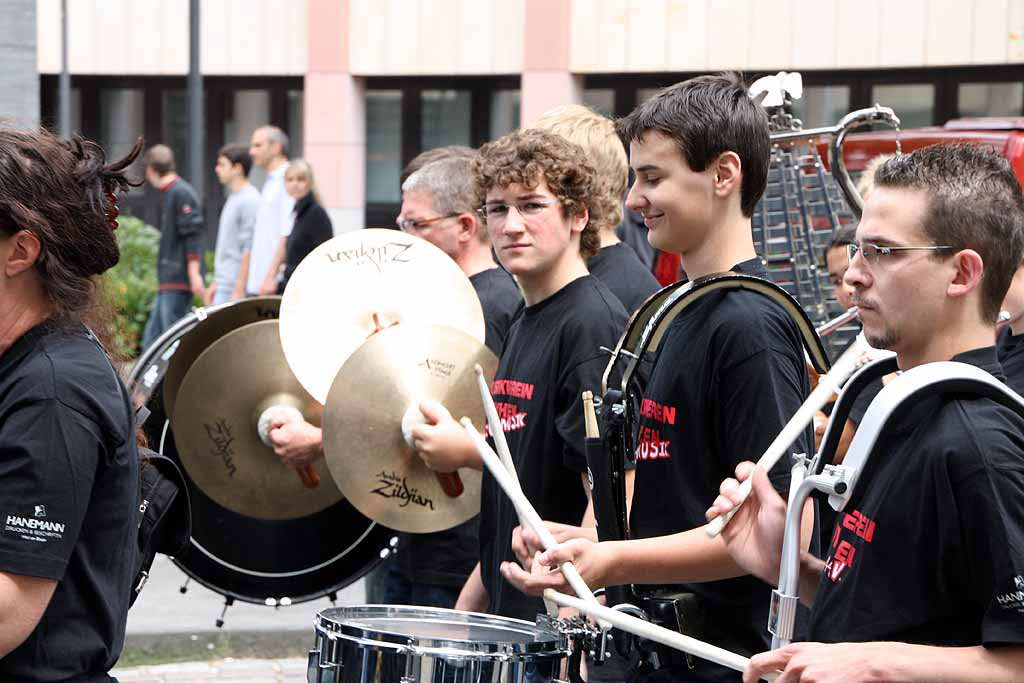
(828, 384)
(526, 510)
(590, 416)
(658, 634)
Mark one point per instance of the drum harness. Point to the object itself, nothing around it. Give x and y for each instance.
(607, 455)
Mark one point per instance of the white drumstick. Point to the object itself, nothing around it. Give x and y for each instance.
(498, 433)
(494, 422)
(526, 510)
(828, 384)
(658, 634)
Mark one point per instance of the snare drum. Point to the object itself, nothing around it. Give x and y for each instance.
(400, 644)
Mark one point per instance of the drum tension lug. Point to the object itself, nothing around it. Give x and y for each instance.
(184, 587)
(333, 597)
(228, 602)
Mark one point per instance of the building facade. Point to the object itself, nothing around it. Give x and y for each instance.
(362, 86)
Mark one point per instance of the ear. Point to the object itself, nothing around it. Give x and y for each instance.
(23, 253)
(577, 223)
(969, 269)
(468, 227)
(728, 172)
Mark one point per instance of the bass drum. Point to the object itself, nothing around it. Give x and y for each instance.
(256, 560)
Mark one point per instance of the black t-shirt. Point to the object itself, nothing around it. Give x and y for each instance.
(552, 355)
(312, 228)
(69, 498)
(446, 558)
(619, 268)
(728, 376)
(1010, 350)
(500, 298)
(930, 548)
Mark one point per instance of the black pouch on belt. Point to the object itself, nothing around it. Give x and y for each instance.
(678, 611)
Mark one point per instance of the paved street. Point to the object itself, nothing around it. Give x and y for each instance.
(292, 670)
(164, 623)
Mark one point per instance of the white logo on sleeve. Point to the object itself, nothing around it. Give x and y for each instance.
(1013, 600)
(37, 528)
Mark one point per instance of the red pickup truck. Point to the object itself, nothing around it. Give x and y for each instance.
(1005, 134)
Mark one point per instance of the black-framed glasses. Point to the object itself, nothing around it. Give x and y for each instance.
(495, 213)
(873, 252)
(410, 225)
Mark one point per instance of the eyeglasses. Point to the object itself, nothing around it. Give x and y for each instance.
(872, 252)
(496, 213)
(410, 225)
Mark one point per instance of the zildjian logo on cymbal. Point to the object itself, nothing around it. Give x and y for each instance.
(394, 486)
(392, 252)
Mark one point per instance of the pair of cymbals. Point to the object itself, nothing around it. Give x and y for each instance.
(386, 379)
(358, 283)
(215, 415)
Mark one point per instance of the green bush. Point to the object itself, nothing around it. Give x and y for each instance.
(130, 286)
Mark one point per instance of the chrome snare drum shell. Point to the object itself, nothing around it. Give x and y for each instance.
(404, 644)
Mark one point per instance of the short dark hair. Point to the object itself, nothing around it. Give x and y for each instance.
(160, 158)
(840, 238)
(58, 190)
(237, 154)
(436, 154)
(707, 116)
(974, 201)
(528, 156)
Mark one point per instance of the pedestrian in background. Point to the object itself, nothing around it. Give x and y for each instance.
(312, 226)
(269, 151)
(179, 266)
(234, 232)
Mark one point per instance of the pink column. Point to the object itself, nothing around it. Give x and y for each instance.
(335, 116)
(546, 80)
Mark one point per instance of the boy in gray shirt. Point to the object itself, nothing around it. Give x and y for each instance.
(234, 232)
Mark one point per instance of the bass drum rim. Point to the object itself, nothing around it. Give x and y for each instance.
(216, 555)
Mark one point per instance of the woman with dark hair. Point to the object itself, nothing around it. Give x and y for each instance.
(69, 472)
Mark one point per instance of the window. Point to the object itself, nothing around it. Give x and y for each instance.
(175, 130)
(601, 100)
(914, 103)
(822, 105)
(504, 112)
(444, 118)
(990, 99)
(383, 145)
(296, 127)
(121, 120)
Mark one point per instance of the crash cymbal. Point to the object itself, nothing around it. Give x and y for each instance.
(215, 417)
(362, 281)
(368, 457)
(217, 321)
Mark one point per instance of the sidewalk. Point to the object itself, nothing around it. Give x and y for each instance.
(292, 670)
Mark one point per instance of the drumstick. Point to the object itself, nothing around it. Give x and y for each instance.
(494, 422)
(658, 634)
(526, 510)
(590, 416)
(828, 384)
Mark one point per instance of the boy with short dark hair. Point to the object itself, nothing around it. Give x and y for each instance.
(237, 220)
(728, 376)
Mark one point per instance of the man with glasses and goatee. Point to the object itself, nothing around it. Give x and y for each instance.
(924, 578)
